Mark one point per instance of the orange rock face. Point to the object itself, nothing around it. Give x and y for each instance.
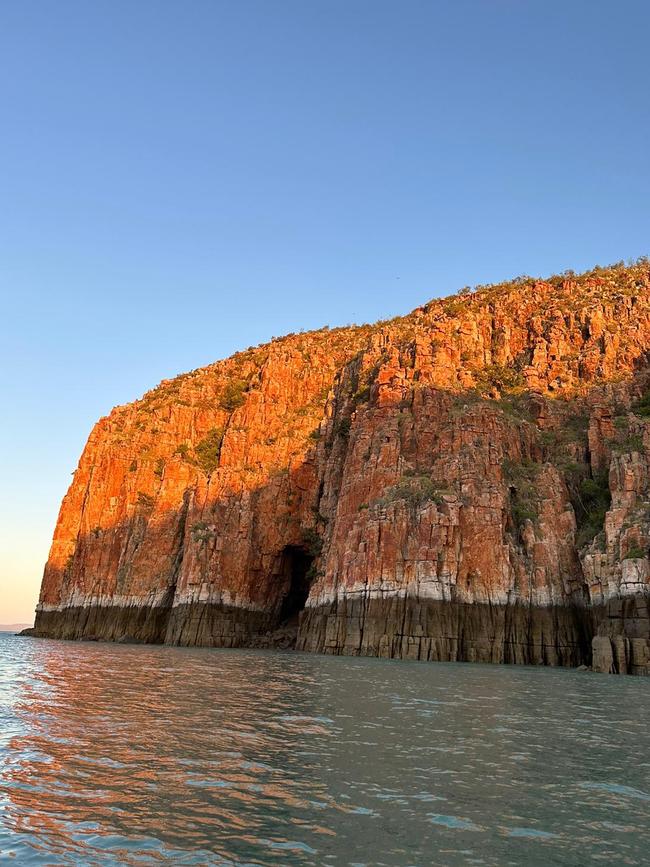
(470, 481)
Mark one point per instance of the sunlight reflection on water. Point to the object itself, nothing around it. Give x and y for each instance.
(116, 755)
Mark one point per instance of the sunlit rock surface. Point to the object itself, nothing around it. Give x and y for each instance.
(468, 482)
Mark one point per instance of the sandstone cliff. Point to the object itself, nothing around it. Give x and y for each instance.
(470, 481)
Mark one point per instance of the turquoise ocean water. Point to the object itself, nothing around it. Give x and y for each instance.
(133, 755)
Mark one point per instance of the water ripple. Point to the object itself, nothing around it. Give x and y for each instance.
(116, 755)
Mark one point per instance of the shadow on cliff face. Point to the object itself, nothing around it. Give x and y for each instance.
(112, 610)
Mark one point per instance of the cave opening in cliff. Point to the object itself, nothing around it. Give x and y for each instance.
(296, 570)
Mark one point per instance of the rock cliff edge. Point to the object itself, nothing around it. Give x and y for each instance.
(468, 482)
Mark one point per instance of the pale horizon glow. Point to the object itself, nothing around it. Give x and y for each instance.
(180, 181)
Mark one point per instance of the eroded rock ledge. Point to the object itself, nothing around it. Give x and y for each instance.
(470, 482)
(397, 628)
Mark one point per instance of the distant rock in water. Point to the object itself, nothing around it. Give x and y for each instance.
(15, 627)
(467, 482)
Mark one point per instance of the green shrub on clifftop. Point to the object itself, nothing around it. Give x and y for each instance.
(642, 406)
(635, 553)
(593, 501)
(312, 542)
(208, 449)
(416, 490)
(232, 395)
(499, 377)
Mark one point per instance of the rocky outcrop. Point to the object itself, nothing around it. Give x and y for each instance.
(466, 482)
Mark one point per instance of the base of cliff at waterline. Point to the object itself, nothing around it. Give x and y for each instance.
(446, 631)
(192, 624)
(396, 627)
(622, 642)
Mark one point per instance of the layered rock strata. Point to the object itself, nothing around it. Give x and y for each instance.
(468, 482)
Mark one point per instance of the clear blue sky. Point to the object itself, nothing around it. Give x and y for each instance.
(182, 179)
